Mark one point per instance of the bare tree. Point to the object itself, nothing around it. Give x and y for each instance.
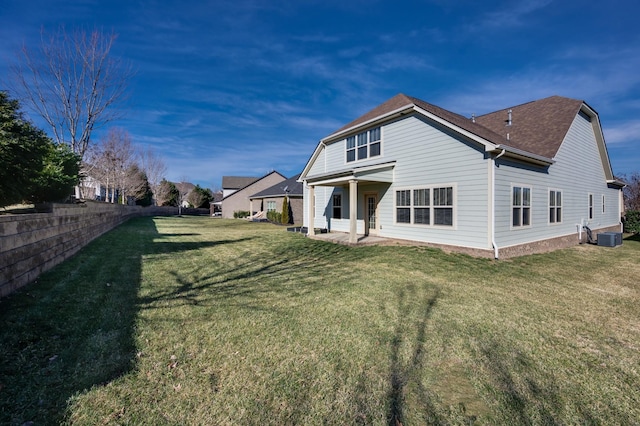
(184, 188)
(632, 191)
(73, 83)
(112, 162)
(155, 169)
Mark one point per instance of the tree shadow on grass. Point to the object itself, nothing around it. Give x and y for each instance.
(255, 278)
(73, 328)
(527, 393)
(402, 371)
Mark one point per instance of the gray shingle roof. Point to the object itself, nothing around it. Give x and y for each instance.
(237, 182)
(294, 189)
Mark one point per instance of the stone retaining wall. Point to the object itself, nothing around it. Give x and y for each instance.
(33, 243)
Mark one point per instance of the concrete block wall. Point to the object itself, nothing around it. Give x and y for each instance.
(31, 244)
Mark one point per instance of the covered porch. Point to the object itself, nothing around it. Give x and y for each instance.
(353, 179)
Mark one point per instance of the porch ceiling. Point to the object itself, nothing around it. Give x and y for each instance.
(382, 172)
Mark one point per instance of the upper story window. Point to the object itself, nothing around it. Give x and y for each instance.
(364, 145)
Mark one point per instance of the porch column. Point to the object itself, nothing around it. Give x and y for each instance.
(250, 208)
(353, 211)
(312, 211)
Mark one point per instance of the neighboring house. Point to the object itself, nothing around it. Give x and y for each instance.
(238, 200)
(231, 184)
(520, 180)
(271, 199)
(215, 206)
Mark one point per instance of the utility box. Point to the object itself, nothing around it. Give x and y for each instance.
(606, 239)
(610, 239)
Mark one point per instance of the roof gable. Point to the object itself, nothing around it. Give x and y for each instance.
(538, 127)
(253, 183)
(402, 102)
(535, 133)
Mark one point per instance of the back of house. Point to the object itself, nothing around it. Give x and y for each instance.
(521, 180)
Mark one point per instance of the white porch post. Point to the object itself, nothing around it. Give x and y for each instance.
(312, 213)
(250, 208)
(353, 211)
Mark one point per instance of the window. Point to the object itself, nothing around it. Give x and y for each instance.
(421, 211)
(590, 206)
(603, 204)
(337, 206)
(364, 145)
(271, 206)
(555, 206)
(403, 206)
(521, 206)
(425, 206)
(443, 206)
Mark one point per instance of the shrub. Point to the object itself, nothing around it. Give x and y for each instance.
(631, 221)
(274, 217)
(241, 214)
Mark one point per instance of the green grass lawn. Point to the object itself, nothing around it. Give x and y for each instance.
(193, 320)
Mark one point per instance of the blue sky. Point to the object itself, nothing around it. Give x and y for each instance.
(244, 87)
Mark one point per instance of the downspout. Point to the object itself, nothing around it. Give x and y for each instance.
(493, 204)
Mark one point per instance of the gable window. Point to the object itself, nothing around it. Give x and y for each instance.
(521, 206)
(403, 206)
(337, 206)
(364, 145)
(425, 206)
(590, 206)
(351, 148)
(271, 206)
(555, 206)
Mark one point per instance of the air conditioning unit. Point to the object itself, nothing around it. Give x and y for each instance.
(609, 239)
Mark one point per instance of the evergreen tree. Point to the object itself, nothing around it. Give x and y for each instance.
(285, 211)
(32, 168)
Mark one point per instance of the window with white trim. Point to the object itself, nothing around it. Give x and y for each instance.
(520, 206)
(421, 210)
(555, 206)
(271, 206)
(602, 203)
(425, 206)
(443, 206)
(590, 206)
(337, 206)
(403, 206)
(364, 145)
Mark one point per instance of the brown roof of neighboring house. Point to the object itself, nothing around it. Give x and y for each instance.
(537, 127)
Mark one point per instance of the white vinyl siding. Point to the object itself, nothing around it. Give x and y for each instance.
(577, 171)
(428, 157)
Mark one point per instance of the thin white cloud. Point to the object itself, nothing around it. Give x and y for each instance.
(623, 133)
(510, 14)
